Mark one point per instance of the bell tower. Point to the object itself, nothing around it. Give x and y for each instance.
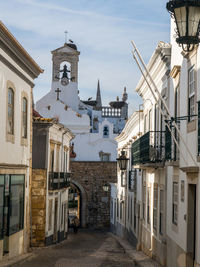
(67, 53)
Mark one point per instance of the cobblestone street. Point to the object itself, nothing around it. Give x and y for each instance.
(85, 249)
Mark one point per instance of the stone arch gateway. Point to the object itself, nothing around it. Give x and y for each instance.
(83, 203)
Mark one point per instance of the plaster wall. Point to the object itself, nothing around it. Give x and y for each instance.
(16, 152)
(88, 146)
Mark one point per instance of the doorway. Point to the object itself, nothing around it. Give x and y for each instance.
(55, 234)
(191, 225)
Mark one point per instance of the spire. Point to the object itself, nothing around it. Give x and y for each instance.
(98, 97)
(125, 95)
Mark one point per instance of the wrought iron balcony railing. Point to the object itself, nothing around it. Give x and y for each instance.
(59, 180)
(149, 148)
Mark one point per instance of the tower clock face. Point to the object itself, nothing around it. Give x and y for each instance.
(64, 82)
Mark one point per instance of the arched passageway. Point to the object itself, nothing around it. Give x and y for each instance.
(77, 202)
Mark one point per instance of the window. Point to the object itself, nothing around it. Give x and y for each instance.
(10, 129)
(145, 123)
(175, 203)
(24, 117)
(52, 161)
(148, 205)
(105, 132)
(50, 214)
(65, 162)
(191, 93)
(16, 207)
(150, 120)
(104, 156)
(155, 206)
(161, 212)
(133, 180)
(95, 124)
(144, 201)
(58, 158)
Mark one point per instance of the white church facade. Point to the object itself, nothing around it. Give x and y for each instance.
(94, 125)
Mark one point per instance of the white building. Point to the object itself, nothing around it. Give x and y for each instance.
(183, 189)
(94, 125)
(125, 202)
(147, 156)
(17, 73)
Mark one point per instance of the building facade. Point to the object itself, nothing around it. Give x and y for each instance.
(126, 194)
(17, 73)
(168, 155)
(95, 127)
(50, 181)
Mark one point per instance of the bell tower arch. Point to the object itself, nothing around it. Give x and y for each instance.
(67, 53)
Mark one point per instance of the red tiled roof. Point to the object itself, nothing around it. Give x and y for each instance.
(36, 114)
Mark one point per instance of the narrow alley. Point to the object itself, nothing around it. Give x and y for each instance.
(85, 249)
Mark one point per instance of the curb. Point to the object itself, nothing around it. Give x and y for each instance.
(138, 257)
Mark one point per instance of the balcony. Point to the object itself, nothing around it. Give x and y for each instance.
(149, 149)
(59, 180)
(109, 112)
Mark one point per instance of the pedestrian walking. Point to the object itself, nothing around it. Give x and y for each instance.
(76, 224)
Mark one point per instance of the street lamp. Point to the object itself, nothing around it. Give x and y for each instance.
(187, 17)
(122, 161)
(106, 187)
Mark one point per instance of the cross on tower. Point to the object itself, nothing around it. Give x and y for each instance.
(58, 92)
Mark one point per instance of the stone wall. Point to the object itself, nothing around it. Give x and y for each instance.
(91, 176)
(38, 206)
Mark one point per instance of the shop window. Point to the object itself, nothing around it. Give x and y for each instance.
(16, 207)
(11, 204)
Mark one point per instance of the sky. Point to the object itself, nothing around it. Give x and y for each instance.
(102, 31)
